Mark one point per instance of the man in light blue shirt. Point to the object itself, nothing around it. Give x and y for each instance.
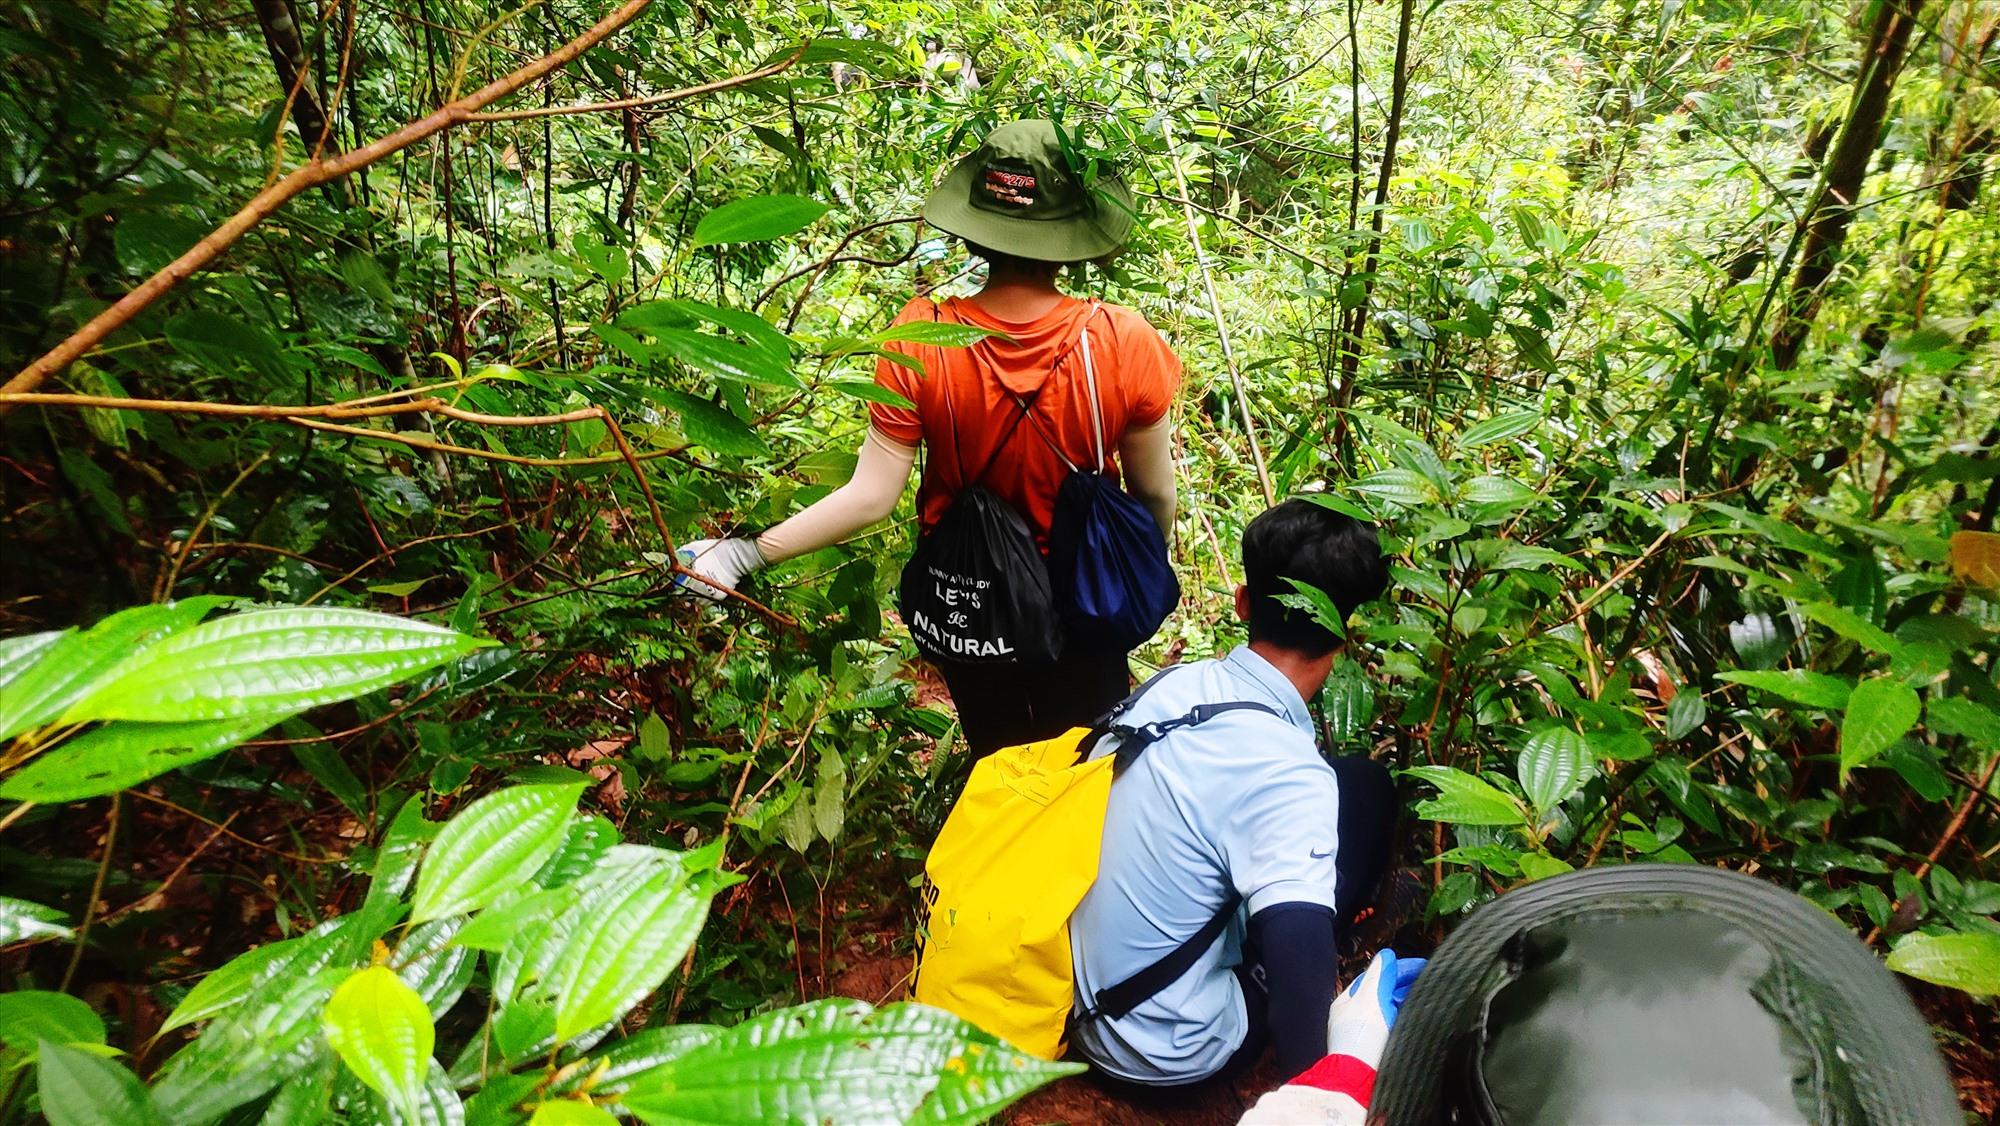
(1234, 822)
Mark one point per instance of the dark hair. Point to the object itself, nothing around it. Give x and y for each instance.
(1302, 540)
(1013, 263)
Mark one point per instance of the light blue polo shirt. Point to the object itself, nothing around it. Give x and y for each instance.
(1244, 799)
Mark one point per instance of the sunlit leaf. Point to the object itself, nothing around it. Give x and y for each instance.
(382, 1031)
(119, 755)
(1813, 689)
(1465, 800)
(1975, 557)
(1553, 764)
(492, 846)
(1967, 960)
(1499, 428)
(262, 662)
(633, 934)
(22, 921)
(30, 1016)
(758, 218)
(70, 664)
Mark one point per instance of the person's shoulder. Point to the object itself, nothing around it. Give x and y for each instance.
(919, 308)
(1125, 319)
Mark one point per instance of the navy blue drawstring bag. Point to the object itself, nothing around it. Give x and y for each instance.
(1107, 555)
(1108, 559)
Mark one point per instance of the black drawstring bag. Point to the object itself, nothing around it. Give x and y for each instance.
(1107, 554)
(976, 591)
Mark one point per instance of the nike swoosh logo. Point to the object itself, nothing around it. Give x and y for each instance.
(1318, 855)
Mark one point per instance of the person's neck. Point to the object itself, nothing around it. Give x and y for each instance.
(1018, 297)
(1307, 673)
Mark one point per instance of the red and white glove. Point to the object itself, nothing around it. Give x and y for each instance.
(727, 562)
(1335, 1091)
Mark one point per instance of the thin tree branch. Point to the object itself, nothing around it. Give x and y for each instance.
(309, 175)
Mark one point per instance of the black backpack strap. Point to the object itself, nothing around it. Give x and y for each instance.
(1141, 987)
(1133, 740)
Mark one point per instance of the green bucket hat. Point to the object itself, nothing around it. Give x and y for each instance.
(1654, 993)
(1017, 194)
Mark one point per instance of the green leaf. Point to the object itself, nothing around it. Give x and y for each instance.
(115, 756)
(755, 330)
(829, 811)
(1967, 960)
(324, 763)
(235, 979)
(1346, 508)
(1499, 428)
(633, 934)
(1314, 602)
(759, 218)
(840, 1061)
(492, 846)
(1533, 348)
(19, 654)
(22, 921)
(727, 359)
(1814, 690)
(870, 393)
(266, 661)
(938, 334)
(1402, 487)
(654, 742)
(219, 341)
(1464, 799)
(1852, 626)
(399, 590)
(1879, 712)
(1540, 866)
(1686, 712)
(81, 1089)
(382, 1030)
(1553, 765)
(570, 1112)
(70, 664)
(714, 427)
(30, 1016)
(1956, 715)
(1348, 700)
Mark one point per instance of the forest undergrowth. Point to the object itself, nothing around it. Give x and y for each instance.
(1657, 338)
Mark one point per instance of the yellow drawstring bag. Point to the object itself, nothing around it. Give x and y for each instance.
(1015, 858)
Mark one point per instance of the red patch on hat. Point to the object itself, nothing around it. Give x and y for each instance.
(1016, 189)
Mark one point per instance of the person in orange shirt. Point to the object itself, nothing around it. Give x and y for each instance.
(1018, 206)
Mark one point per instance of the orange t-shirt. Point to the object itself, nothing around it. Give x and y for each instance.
(966, 400)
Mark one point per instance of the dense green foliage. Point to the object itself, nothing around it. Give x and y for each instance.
(1672, 386)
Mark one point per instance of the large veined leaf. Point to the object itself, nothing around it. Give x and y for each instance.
(30, 1016)
(1403, 487)
(754, 329)
(1879, 712)
(67, 667)
(492, 846)
(273, 1035)
(570, 1112)
(1499, 428)
(1348, 701)
(839, 1061)
(22, 921)
(402, 848)
(727, 359)
(1968, 960)
(712, 426)
(633, 934)
(382, 1031)
(612, 1070)
(430, 962)
(1553, 764)
(940, 334)
(266, 661)
(1813, 689)
(78, 1088)
(18, 654)
(1465, 800)
(758, 218)
(118, 755)
(237, 977)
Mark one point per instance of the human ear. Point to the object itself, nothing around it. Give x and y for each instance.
(1242, 603)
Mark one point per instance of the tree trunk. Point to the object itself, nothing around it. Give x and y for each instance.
(1846, 167)
(288, 57)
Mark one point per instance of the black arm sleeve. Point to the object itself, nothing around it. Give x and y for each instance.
(1294, 942)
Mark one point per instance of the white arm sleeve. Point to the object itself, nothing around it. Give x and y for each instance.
(881, 470)
(1148, 459)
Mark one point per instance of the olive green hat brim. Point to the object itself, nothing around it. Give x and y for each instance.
(1882, 1042)
(1099, 231)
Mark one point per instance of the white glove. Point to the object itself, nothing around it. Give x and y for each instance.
(1336, 1090)
(725, 562)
